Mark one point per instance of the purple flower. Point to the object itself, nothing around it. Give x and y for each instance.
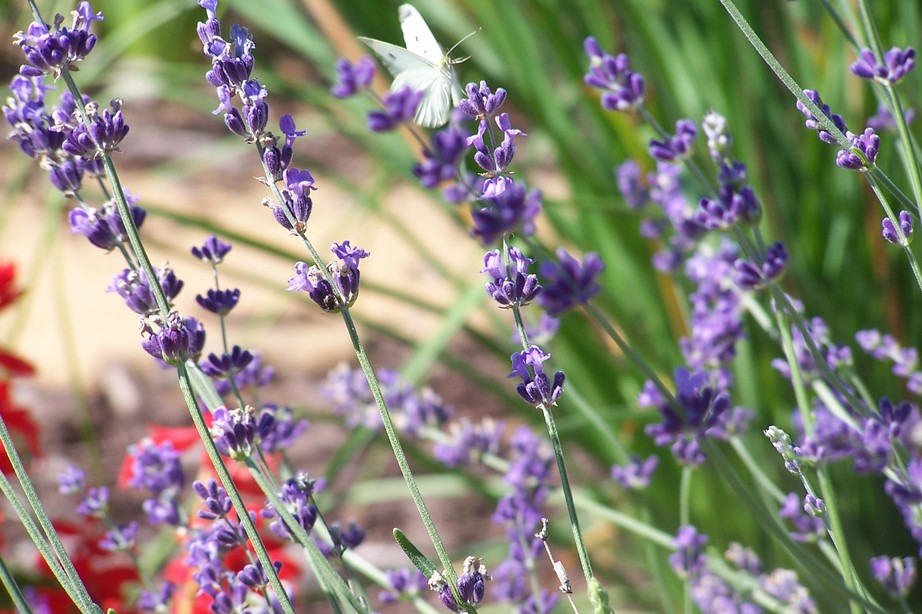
(176, 341)
(466, 441)
(71, 481)
(212, 250)
(283, 431)
(536, 387)
(688, 560)
(120, 538)
(896, 65)
(511, 283)
(813, 123)
(472, 583)
(237, 432)
(895, 574)
(296, 494)
(699, 412)
(350, 78)
(103, 135)
(49, 52)
(157, 468)
(227, 364)
(636, 474)
(34, 130)
(752, 276)
(890, 233)
(441, 158)
(344, 272)
(95, 502)
(405, 583)
(567, 282)
(103, 227)
(867, 143)
(217, 503)
(496, 162)
(732, 206)
(807, 526)
(149, 602)
(399, 107)
(505, 208)
(678, 147)
(219, 302)
(296, 200)
(135, 288)
(254, 576)
(631, 185)
(623, 89)
(481, 103)
(884, 120)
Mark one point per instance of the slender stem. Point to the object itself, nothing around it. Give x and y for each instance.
(12, 589)
(567, 492)
(913, 263)
(232, 492)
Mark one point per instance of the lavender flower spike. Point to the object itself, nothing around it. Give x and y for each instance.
(536, 387)
(352, 77)
(510, 284)
(678, 147)
(868, 143)
(813, 123)
(399, 107)
(623, 89)
(51, 52)
(896, 575)
(569, 283)
(889, 230)
(896, 65)
(344, 272)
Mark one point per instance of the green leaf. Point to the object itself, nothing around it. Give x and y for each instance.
(416, 557)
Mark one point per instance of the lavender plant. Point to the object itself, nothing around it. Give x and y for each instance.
(770, 420)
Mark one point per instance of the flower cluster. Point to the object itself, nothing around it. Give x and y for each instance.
(344, 273)
(623, 89)
(864, 146)
(896, 65)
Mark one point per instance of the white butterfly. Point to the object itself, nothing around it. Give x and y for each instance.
(422, 66)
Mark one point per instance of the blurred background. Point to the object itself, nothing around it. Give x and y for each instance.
(422, 308)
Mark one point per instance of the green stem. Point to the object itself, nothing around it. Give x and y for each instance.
(12, 589)
(567, 492)
(232, 492)
(904, 241)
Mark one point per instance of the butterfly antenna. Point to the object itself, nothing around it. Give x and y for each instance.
(455, 46)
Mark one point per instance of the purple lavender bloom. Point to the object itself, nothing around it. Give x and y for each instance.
(175, 342)
(406, 584)
(285, 429)
(511, 283)
(481, 103)
(66, 175)
(103, 227)
(732, 206)
(71, 481)
(867, 143)
(783, 585)
(636, 474)
(219, 302)
(254, 576)
(782, 443)
(889, 230)
(883, 120)
(212, 250)
(227, 364)
(895, 574)
(102, 136)
(466, 442)
(623, 89)
(296, 200)
(149, 602)
(296, 494)
(237, 432)
(536, 387)
(806, 526)
(688, 560)
(95, 502)
(121, 538)
(752, 276)
(157, 468)
(675, 148)
(495, 163)
(440, 159)
(631, 186)
(134, 287)
(506, 208)
(345, 274)
(569, 283)
(49, 52)
(813, 123)
(213, 495)
(472, 583)
(399, 107)
(701, 408)
(350, 78)
(834, 354)
(34, 130)
(896, 65)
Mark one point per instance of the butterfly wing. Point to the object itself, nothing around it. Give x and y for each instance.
(418, 36)
(397, 59)
(436, 85)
